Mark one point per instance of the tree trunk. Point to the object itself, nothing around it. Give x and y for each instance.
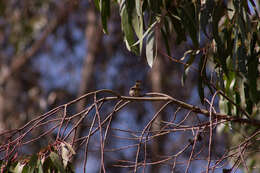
(157, 143)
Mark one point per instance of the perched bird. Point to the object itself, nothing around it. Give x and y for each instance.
(135, 91)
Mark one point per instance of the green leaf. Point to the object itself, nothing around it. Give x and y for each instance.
(137, 21)
(39, 166)
(150, 56)
(138, 7)
(18, 168)
(66, 152)
(105, 13)
(178, 25)
(97, 4)
(31, 165)
(57, 161)
(48, 165)
(147, 32)
(241, 89)
(127, 28)
(188, 19)
(223, 108)
(26, 169)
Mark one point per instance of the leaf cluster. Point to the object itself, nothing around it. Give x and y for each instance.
(47, 160)
(222, 33)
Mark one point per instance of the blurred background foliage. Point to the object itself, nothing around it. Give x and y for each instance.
(53, 51)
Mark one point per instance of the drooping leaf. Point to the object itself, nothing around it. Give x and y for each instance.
(26, 169)
(150, 56)
(39, 166)
(66, 152)
(188, 19)
(137, 22)
(105, 13)
(127, 28)
(223, 108)
(57, 161)
(97, 4)
(18, 168)
(31, 165)
(138, 7)
(241, 93)
(48, 165)
(178, 25)
(147, 32)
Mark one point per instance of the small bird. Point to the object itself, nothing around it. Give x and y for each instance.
(135, 91)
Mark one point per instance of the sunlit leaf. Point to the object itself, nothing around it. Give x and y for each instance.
(66, 152)
(18, 168)
(137, 21)
(150, 56)
(146, 32)
(138, 6)
(223, 105)
(127, 28)
(185, 54)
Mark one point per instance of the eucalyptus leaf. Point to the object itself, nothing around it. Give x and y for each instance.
(57, 161)
(97, 4)
(128, 29)
(150, 56)
(18, 168)
(187, 15)
(137, 22)
(147, 32)
(105, 13)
